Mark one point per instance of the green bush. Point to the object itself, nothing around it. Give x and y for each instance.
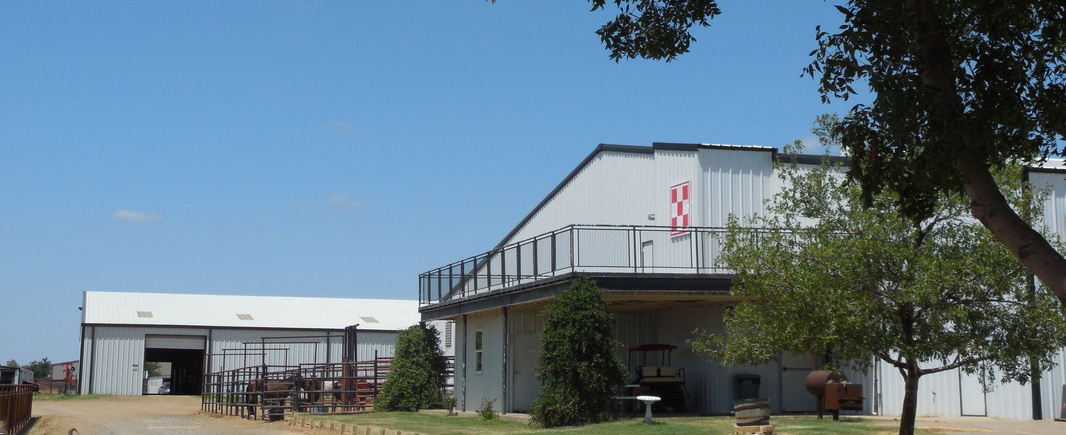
(579, 368)
(417, 377)
(487, 411)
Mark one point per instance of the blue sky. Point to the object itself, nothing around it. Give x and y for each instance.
(331, 149)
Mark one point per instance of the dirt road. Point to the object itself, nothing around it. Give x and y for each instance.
(159, 415)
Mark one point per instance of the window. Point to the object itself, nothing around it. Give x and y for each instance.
(478, 350)
(448, 334)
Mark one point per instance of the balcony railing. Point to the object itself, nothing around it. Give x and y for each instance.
(576, 248)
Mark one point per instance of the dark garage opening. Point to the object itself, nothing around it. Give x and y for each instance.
(186, 368)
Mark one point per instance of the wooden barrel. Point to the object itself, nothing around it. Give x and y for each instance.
(753, 412)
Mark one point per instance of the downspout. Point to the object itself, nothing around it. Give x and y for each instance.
(1030, 285)
(81, 355)
(464, 360)
(210, 350)
(81, 351)
(92, 359)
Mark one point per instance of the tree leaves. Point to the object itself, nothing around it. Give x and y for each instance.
(653, 29)
(578, 365)
(416, 377)
(858, 281)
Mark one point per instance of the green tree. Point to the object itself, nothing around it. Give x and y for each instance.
(579, 367)
(418, 373)
(831, 272)
(153, 368)
(12, 363)
(42, 369)
(963, 87)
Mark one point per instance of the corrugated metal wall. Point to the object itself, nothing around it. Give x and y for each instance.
(116, 366)
(1054, 219)
(119, 353)
(736, 182)
(614, 188)
(1055, 206)
(286, 351)
(940, 395)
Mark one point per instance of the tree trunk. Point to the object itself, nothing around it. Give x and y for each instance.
(990, 207)
(934, 60)
(910, 401)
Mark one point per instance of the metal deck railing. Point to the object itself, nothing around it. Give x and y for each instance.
(576, 248)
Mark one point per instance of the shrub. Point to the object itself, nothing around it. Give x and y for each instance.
(579, 368)
(448, 402)
(487, 411)
(417, 377)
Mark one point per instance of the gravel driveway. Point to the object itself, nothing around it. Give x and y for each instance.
(163, 415)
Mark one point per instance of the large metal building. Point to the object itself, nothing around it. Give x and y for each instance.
(194, 334)
(645, 223)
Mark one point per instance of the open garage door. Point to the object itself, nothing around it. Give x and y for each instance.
(185, 355)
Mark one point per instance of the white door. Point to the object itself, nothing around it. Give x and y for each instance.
(524, 384)
(972, 394)
(794, 394)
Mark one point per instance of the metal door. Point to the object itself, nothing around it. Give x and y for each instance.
(794, 394)
(524, 383)
(972, 395)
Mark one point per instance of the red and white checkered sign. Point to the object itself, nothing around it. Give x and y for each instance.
(679, 208)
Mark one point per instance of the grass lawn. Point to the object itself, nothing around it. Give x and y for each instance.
(438, 425)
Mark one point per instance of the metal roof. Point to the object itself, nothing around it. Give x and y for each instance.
(170, 309)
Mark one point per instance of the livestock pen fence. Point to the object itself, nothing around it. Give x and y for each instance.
(16, 403)
(269, 392)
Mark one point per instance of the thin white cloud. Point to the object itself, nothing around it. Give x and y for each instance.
(123, 214)
(346, 128)
(344, 201)
(810, 144)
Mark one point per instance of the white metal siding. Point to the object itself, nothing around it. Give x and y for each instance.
(460, 364)
(735, 183)
(1054, 223)
(235, 339)
(119, 349)
(614, 188)
(939, 395)
(118, 363)
(1055, 206)
(175, 342)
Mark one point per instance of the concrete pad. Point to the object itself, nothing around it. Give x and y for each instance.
(994, 426)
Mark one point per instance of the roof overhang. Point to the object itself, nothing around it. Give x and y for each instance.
(624, 292)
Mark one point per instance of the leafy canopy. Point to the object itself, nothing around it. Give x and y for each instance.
(824, 273)
(963, 88)
(578, 365)
(418, 372)
(980, 77)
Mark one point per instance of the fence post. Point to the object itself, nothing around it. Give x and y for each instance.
(376, 386)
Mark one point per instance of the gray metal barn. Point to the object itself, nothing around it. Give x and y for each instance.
(646, 224)
(121, 332)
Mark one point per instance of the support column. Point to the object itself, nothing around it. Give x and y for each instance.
(505, 408)
(465, 357)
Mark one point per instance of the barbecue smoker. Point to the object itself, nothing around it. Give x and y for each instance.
(657, 377)
(834, 392)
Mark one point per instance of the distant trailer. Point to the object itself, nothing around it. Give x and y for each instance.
(15, 376)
